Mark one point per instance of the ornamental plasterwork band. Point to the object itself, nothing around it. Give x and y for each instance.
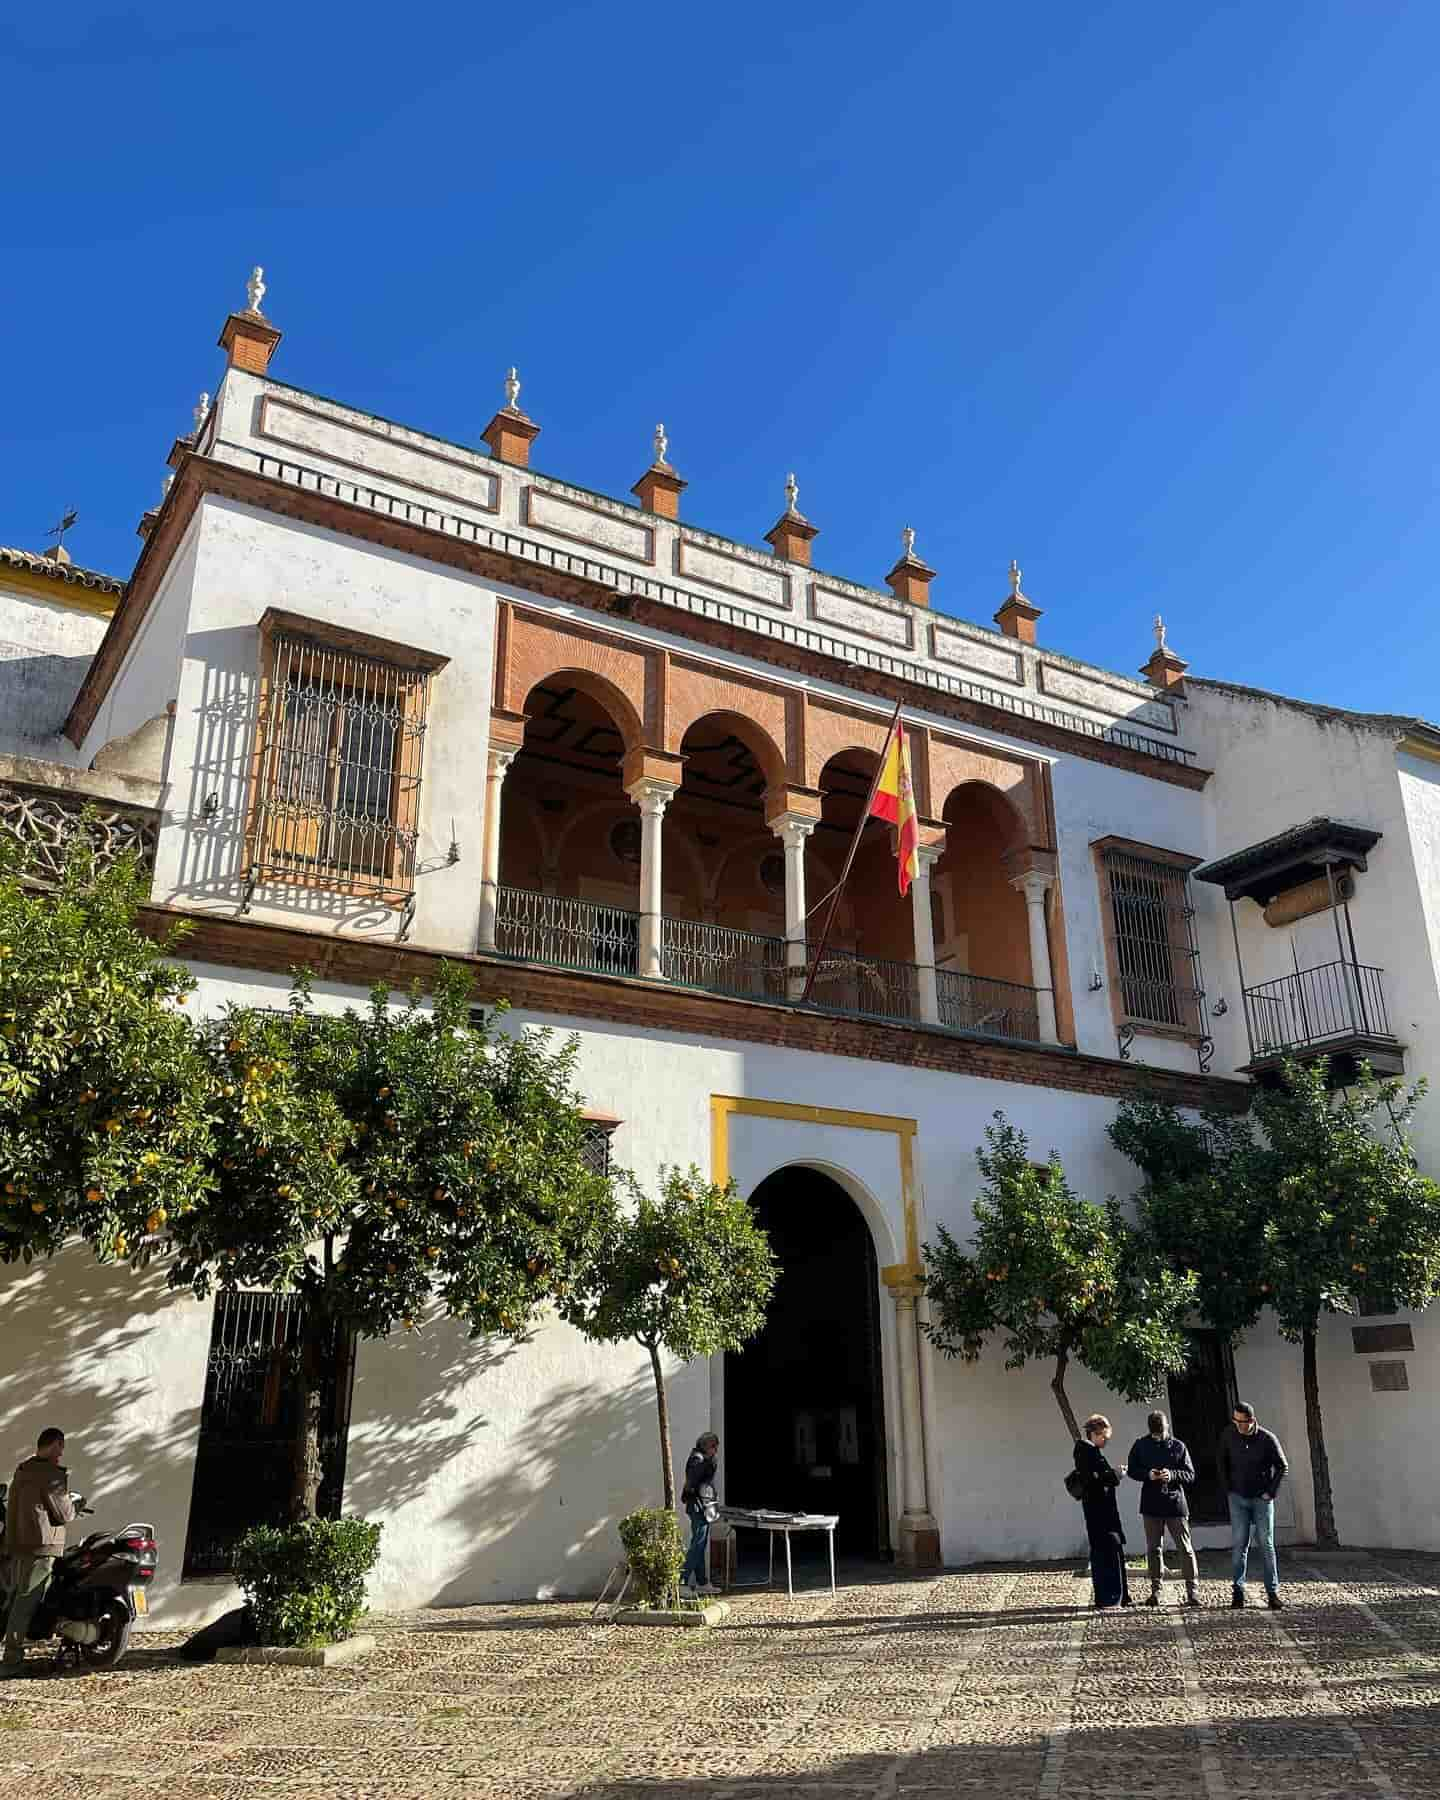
(47, 823)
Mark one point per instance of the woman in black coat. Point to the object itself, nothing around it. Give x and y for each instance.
(1102, 1515)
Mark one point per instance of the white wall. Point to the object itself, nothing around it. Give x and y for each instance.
(245, 561)
(45, 649)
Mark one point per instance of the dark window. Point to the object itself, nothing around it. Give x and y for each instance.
(598, 1133)
(247, 1426)
(1152, 937)
(1201, 1402)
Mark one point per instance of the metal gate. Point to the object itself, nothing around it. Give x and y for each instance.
(244, 1459)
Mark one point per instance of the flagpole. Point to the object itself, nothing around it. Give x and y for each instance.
(860, 824)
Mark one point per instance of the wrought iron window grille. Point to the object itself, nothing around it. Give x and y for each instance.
(1155, 954)
(595, 1151)
(340, 739)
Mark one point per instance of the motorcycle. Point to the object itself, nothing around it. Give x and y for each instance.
(96, 1592)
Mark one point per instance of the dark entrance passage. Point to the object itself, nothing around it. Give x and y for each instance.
(1201, 1401)
(804, 1415)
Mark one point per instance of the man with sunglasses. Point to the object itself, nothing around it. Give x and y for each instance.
(1252, 1466)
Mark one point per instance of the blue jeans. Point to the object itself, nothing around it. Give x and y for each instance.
(1257, 1516)
(694, 1570)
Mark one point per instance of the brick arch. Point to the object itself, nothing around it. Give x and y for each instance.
(767, 753)
(829, 733)
(696, 693)
(1009, 819)
(1018, 780)
(613, 674)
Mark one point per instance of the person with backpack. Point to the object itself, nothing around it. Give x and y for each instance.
(701, 1508)
(1163, 1467)
(1096, 1480)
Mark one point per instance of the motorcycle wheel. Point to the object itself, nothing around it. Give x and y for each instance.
(110, 1646)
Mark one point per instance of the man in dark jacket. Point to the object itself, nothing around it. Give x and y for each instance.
(37, 1510)
(1162, 1466)
(1252, 1466)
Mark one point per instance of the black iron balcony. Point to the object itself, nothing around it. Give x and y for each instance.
(1335, 1010)
(564, 933)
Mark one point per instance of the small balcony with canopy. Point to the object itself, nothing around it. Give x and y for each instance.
(1328, 1003)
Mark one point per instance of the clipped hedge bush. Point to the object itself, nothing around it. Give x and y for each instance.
(653, 1548)
(306, 1583)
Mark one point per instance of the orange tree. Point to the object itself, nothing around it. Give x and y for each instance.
(388, 1164)
(691, 1272)
(1314, 1199)
(1059, 1278)
(106, 1121)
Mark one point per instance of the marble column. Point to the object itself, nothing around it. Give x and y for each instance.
(1034, 886)
(919, 1546)
(793, 830)
(652, 797)
(500, 761)
(926, 857)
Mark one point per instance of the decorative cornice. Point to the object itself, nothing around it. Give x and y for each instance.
(578, 579)
(237, 943)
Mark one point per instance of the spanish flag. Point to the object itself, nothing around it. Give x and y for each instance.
(894, 801)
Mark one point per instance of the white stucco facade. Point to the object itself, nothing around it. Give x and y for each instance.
(499, 1470)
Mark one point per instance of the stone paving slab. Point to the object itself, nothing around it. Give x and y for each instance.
(993, 1683)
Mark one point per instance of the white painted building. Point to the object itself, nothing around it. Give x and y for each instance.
(370, 697)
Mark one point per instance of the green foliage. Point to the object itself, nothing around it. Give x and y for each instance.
(106, 1123)
(380, 1163)
(1060, 1277)
(655, 1553)
(1324, 1203)
(690, 1272)
(305, 1583)
(1197, 1206)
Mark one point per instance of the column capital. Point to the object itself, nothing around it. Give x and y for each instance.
(927, 855)
(1034, 884)
(501, 757)
(793, 828)
(651, 795)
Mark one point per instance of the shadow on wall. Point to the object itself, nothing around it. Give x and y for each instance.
(36, 694)
(500, 1470)
(118, 1363)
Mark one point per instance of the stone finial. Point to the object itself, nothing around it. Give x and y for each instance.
(662, 445)
(792, 493)
(1165, 670)
(660, 487)
(1017, 614)
(255, 291)
(510, 433)
(910, 578)
(201, 413)
(790, 536)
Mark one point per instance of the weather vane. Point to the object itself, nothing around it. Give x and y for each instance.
(58, 531)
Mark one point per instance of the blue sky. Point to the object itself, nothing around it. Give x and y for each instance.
(1144, 296)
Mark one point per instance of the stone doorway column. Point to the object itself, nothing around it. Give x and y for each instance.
(793, 830)
(500, 761)
(926, 857)
(652, 797)
(1034, 886)
(919, 1545)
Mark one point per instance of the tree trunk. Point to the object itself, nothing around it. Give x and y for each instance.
(1326, 1535)
(1062, 1399)
(662, 1408)
(305, 1472)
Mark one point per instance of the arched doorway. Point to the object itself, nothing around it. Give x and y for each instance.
(804, 1401)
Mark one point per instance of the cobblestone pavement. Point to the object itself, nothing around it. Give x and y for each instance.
(992, 1683)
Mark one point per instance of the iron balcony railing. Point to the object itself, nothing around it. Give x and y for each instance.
(990, 1008)
(723, 960)
(1316, 1006)
(579, 934)
(567, 934)
(866, 987)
